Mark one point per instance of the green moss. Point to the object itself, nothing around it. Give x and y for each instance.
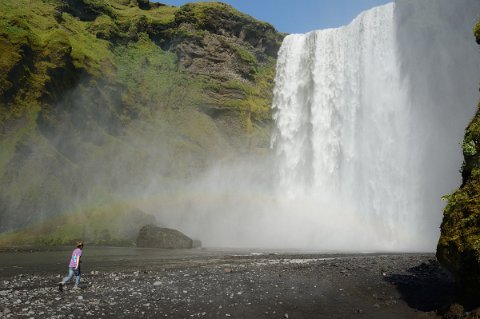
(258, 95)
(151, 74)
(88, 52)
(202, 13)
(125, 10)
(105, 225)
(476, 32)
(469, 148)
(459, 245)
(104, 27)
(243, 53)
(105, 76)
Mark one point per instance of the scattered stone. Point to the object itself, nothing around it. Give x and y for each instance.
(456, 311)
(191, 291)
(4, 292)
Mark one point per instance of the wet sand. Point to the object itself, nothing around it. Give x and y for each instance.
(137, 283)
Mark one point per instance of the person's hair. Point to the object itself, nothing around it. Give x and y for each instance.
(79, 244)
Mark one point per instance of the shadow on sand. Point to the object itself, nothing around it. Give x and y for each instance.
(426, 287)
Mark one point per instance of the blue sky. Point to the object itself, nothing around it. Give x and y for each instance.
(299, 16)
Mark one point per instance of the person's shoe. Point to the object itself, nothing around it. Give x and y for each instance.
(76, 287)
(60, 286)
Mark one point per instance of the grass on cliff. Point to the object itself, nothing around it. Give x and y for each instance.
(21, 25)
(119, 68)
(459, 245)
(145, 68)
(162, 15)
(460, 240)
(476, 32)
(105, 225)
(199, 12)
(461, 225)
(25, 24)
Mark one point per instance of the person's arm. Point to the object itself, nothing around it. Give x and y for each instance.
(78, 262)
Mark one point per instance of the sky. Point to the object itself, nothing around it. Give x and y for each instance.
(299, 16)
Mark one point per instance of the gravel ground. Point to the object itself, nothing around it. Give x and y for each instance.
(237, 286)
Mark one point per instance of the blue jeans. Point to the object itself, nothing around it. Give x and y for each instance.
(71, 272)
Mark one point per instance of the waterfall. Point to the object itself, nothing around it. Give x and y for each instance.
(369, 117)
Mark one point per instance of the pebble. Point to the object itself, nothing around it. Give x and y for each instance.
(186, 293)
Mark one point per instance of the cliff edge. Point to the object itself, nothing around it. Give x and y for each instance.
(101, 100)
(459, 245)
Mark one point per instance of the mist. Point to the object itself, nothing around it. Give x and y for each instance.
(369, 120)
(368, 124)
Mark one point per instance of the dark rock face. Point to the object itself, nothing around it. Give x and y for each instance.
(151, 236)
(459, 245)
(218, 40)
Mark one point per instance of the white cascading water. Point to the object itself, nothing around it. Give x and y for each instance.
(368, 118)
(356, 135)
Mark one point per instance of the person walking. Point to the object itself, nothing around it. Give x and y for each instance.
(73, 267)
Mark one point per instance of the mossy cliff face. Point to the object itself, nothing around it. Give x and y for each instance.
(459, 245)
(102, 98)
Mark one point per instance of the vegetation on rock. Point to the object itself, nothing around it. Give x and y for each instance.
(116, 225)
(459, 245)
(103, 98)
(476, 32)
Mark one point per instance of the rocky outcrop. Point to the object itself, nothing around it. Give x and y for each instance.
(88, 86)
(459, 245)
(151, 236)
(217, 40)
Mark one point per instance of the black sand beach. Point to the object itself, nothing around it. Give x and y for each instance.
(137, 283)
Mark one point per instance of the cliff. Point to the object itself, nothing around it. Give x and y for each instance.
(101, 99)
(459, 245)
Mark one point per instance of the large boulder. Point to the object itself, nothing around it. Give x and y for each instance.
(151, 236)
